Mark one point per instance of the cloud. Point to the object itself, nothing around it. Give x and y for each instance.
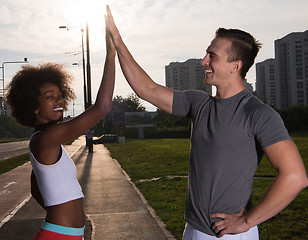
(157, 32)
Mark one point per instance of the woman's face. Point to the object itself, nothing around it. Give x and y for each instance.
(51, 105)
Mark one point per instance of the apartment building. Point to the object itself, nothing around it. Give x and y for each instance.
(283, 81)
(291, 54)
(186, 75)
(266, 85)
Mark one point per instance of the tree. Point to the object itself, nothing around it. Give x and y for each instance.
(9, 128)
(129, 104)
(295, 118)
(164, 119)
(116, 119)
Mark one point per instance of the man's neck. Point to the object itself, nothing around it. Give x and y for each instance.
(230, 90)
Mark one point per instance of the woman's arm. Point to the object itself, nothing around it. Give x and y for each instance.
(62, 132)
(137, 78)
(35, 192)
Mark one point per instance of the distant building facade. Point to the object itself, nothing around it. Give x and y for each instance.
(248, 86)
(283, 81)
(265, 84)
(291, 54)
(186, 75)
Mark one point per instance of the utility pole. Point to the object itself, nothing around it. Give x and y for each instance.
(2, 106)
(88, 68)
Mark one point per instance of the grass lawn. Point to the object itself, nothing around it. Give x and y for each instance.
(13, 162)
(159, 168)
(8, 164)
(5, 140)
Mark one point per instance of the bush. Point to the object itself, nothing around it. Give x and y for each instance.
(152, 133)
(9, 128)
(295, 118)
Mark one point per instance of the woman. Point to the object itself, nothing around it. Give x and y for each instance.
(38, 96)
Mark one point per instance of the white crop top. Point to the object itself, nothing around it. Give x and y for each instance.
(57, 182)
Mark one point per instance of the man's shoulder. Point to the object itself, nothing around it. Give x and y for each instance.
(192, 94)
(256, 105)
(256, 110)
(186, 101)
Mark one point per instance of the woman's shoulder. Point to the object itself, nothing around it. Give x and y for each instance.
(42, 153)
(34, 139)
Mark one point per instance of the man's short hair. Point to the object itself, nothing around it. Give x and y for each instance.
(244, 47)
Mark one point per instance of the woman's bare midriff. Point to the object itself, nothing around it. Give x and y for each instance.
(69, 214)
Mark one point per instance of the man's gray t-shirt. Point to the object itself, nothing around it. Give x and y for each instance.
(226, 137)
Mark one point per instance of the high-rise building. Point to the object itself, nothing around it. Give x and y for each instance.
(248, 86)
(283, 81)
(186, 75)
(265, 84)
(291, 54)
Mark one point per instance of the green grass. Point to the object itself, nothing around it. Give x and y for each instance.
(291, 223)
(13, 162)
(167, 197)
(9, 164)
(302, 145)
(4, 140)
(149, 159)
(152, 158)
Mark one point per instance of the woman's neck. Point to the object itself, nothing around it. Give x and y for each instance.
(43, 127)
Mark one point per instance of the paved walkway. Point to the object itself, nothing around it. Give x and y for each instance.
(114, 207)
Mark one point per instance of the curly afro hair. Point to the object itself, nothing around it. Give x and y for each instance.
(24, 90)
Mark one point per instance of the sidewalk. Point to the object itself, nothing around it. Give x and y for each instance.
(114, 208)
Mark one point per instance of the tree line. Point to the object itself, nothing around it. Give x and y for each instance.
(295, 119)
(9, 128)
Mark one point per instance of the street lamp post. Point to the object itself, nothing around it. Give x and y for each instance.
(83, 67)
(84, 85)
(89, 134)
(88, 102)
(88, 67)
(24, 61)
(3, 89)
(84, 72)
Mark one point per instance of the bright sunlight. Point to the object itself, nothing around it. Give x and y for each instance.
(92, 12)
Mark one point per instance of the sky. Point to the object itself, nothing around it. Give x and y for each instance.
(156, 32)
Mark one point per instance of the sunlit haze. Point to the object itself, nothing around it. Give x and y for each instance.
(156, 32)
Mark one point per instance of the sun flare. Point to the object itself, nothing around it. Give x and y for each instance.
(92, 13)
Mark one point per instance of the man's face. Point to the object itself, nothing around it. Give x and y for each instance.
(216, 65)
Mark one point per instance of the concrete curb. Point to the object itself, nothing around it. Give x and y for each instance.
(159, 222)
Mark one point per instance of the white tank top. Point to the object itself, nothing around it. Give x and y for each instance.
(57, 182)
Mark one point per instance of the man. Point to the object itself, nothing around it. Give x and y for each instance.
(89, 140)
(228, 133)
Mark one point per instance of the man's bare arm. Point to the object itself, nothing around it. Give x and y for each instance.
(291, 179)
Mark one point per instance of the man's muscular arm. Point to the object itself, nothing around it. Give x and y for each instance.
(137, 78)
(291, 179)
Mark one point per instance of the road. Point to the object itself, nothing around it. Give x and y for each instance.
(11, 149)
(114, 207)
